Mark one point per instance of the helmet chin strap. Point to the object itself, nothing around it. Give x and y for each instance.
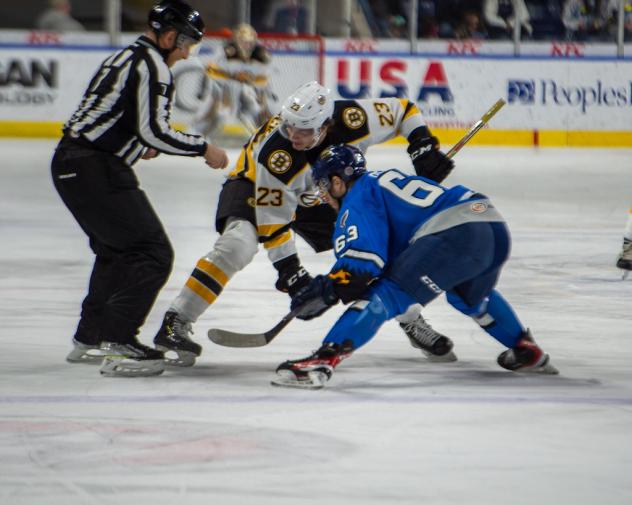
(317, 139)
(165, 52)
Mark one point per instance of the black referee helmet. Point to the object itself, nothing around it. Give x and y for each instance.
(176, 15)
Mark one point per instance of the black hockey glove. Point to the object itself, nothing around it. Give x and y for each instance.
(292, 276)
(317, 297)
(428, 161)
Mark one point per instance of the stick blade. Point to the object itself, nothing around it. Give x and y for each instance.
(233, 339)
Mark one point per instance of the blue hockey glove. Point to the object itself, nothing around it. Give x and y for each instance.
(317, 297)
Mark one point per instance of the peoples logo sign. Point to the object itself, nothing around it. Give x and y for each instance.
(550, 92)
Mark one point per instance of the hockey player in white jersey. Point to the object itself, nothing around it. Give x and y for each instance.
(401, 240)
(270, 193)
(239, 86)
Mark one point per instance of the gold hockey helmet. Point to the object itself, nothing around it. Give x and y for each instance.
(245, 38)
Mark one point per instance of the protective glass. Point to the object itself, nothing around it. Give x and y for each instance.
(289, 131)
(322, 187)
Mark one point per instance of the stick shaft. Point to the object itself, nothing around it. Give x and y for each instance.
(476, 127)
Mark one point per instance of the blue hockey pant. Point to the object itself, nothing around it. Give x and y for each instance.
(464, 262)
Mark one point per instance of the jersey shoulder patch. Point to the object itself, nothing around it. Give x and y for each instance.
(280, 159)
(351, 123)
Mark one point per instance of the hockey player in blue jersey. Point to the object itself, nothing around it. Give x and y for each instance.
(401, 240)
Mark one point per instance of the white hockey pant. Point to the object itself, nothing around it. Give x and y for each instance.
(232, 252)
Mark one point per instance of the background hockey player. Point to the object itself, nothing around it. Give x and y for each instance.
(624, 262)
(401, 240)
(239, 85)
(123, 116)
(270, 191)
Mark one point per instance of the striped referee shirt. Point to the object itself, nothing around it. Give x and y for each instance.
(127, 107)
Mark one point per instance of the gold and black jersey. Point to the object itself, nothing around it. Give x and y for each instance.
(282, 176)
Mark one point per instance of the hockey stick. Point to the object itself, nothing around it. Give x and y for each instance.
(475, 127)
(236, 339)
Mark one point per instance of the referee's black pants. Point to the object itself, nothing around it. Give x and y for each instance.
(133, 254)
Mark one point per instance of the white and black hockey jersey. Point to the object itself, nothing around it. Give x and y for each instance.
(282, 175)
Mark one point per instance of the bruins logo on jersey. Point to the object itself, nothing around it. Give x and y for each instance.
(354, 117)
(279, 161)
(309, 199)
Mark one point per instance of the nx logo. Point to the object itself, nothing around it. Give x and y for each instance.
(521, 91)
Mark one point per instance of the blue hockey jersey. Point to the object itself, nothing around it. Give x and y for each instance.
(385, 211)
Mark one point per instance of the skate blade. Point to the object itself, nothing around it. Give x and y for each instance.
(448, 357)
(92, 356)
(286, 379)
(625, 275)
(177, 358)
(546, 368)
(117, 366)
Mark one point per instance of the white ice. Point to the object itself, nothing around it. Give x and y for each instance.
(389, 427)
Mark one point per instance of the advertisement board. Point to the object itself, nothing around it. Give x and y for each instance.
(555, 98)
(540, 93)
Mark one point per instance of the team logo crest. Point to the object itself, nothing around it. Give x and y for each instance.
(309, 199)
(343, 219)
(279, 161)
(325, 153)
(478, 207)
(354, 117)
(295, 106)
(340, 276)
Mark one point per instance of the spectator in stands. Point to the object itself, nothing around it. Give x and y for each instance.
(57, 18)
(500, 16)
(627, 21)
(611, 16)
(546, 19)
(584, 19)
(427, 15)
(287, 16)
(449, 14)
(397, 27)
(470, 26)
(377, 14)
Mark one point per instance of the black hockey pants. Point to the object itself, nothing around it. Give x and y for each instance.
(133, 254)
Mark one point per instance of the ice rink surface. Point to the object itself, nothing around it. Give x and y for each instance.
(390, 427)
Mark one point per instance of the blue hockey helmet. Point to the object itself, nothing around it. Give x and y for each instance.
(344, 160)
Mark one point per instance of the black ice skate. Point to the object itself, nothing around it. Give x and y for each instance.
(435, 346)
(85, 353)
(527, 357)
(173, 338)
(313, 371)
(624, 262)
(132, 359)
